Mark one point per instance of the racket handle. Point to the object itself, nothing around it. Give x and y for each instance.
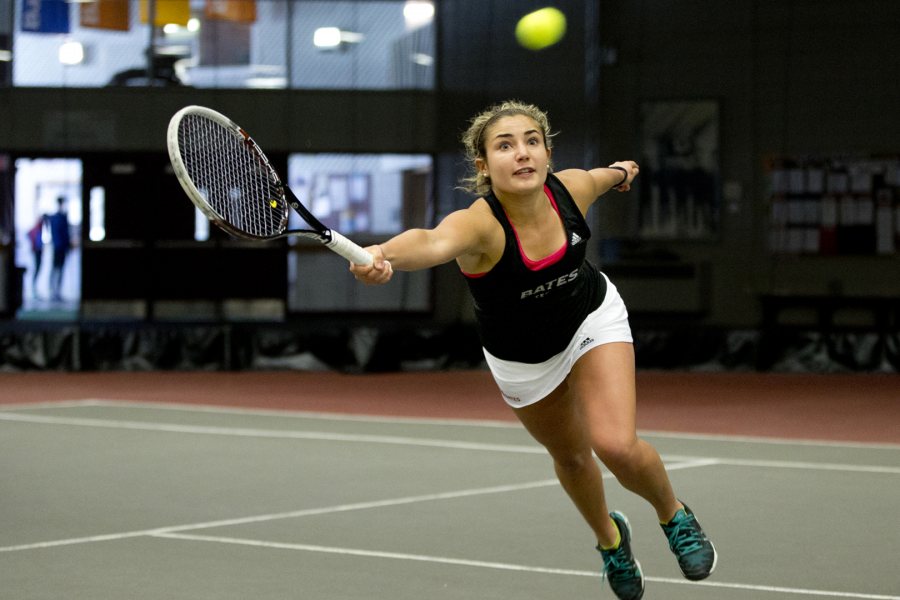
(349, 250)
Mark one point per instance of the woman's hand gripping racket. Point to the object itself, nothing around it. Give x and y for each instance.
(227, 176)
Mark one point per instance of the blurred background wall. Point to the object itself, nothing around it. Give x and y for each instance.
(764, 231)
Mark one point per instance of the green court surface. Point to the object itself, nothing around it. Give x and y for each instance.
(106, 499)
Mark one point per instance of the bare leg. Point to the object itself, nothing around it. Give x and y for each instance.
(557, 422)
(603, 380)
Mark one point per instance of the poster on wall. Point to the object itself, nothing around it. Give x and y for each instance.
(679, 160)
(45, 16)
(105, 14)
(176, 12)
(833, 205)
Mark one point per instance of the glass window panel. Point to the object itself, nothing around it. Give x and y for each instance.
(380, 48)
(363, 193)
(382, 45)
(361, 196)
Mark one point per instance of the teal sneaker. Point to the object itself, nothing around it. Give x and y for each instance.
(687, 540)
(620, 567)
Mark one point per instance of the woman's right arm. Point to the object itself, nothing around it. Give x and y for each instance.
(459, 233)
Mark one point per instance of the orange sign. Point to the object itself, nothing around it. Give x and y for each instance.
(176, 12)
(105, 14)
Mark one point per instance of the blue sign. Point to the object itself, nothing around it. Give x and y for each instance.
(45, 16)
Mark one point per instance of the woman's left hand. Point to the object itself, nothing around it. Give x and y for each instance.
(631, 170)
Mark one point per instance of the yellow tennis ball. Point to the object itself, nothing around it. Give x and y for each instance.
(542, 28)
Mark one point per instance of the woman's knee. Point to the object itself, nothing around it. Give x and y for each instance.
(573, 463)
(616, 452)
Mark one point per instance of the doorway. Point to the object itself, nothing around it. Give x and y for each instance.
(48, 218)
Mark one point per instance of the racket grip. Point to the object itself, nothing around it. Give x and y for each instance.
(349, 250)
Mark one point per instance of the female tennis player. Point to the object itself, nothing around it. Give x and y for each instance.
(554, 329)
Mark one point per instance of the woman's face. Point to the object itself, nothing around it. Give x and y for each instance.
(515, 155)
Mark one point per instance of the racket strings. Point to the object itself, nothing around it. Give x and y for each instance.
(233, 177)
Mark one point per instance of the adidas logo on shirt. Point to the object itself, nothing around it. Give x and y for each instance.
(576, 239)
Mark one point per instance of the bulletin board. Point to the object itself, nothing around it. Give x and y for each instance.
(834, 205)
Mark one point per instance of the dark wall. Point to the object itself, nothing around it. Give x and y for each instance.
(135, 119)
(797, 77)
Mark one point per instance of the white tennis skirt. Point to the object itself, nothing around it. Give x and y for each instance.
(522, 384)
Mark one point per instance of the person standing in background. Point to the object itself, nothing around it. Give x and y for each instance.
(36, 241)
(58, 223)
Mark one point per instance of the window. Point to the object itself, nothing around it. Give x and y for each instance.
(365, 197)
(225, 44)
(363, 193)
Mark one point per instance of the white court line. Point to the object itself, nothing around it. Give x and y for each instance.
(263, 412)
(500, 489)
(812, 466)
(401, 420)
(750, 439)
(508, 566)
(267, 433)
(48, 404)
(403, 441)
(302, 414)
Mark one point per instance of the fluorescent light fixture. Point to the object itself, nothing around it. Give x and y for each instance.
(174, 29)
(418, 13)
(201, 226)
(329, 38)
(266, 83)
(420, 58)
(97, 214)
(71, 53)
(349, 37)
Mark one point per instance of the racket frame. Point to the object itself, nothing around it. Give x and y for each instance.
(319, 232)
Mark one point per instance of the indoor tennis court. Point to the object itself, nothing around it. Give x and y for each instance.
(421, 485)
(200, 401)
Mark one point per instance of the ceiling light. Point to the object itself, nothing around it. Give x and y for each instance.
(418, 13)
(327, 38)
(266, 83)
(71, 53)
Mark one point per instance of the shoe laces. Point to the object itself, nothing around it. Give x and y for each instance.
(617, 565)
(684, 537)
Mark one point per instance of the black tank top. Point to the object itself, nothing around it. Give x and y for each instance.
(529, 314)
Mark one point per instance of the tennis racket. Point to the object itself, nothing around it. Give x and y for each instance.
(227, 176)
